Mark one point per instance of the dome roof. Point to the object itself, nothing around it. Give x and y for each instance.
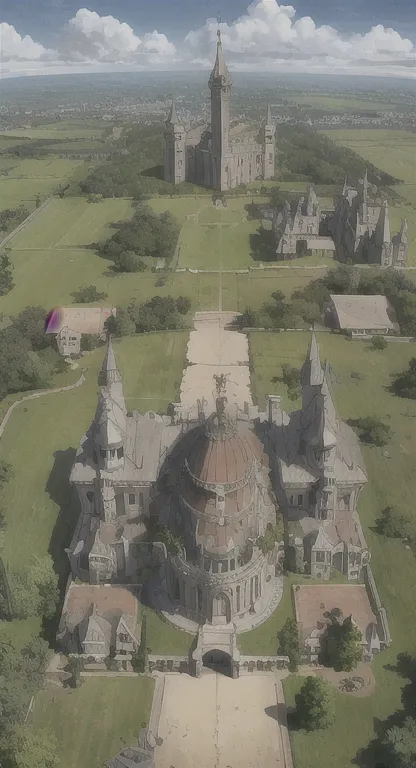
(224, 456)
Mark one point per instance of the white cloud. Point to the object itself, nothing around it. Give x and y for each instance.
(267, 37)
(14, 47)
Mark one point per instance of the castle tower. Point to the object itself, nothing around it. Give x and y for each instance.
(382, 237)
(175, 148)
(400, 245)
(220, 86)
(110, 423)
(269, 147)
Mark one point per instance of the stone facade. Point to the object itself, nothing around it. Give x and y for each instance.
(319, 474)
(360, 227)
(209, 156)
(297, 233)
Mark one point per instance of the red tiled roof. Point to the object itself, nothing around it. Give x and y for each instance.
(225, 460)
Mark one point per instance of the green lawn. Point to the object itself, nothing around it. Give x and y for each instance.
(92, 723)
(408, 191)
(263, 640)
(42, 436)
(29, 178)
(391, 481)
(164, 638)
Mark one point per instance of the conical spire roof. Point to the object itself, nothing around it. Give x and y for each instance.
(269, 114)
(220, 74)
(173, 117)
(312, 372)
(403, 231)
(385, 223)
(109, 371)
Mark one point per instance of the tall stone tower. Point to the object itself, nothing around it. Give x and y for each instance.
(175, 148)
(269, 131)
(220, 85)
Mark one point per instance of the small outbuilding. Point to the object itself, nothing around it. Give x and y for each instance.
(362, 315)
(72, 322)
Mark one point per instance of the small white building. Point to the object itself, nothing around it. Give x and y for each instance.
(362, 315)
(72, 322)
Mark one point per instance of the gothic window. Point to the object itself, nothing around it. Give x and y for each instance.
(224, 566)
(112, 453)
(291, 501)
(237, 597)
(132, 499)
(90, 496)
(232, 565)
(141, 499)
(120, 453)
(249, 169)
(320, 557)
(207, 563)
(215, 566)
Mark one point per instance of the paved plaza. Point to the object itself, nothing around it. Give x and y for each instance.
(217, 722)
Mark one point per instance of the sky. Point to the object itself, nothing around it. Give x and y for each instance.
(371, 37)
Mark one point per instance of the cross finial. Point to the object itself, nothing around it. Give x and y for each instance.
(218, 30)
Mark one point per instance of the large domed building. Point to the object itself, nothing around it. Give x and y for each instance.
(221, 507)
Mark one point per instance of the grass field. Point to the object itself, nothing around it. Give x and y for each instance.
(391, 481)
(42, 436)
(341, 103)
(54, 131)
(408, 191)
(392, 151)
(29, 178)
(93, 722)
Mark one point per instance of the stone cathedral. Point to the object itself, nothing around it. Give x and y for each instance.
(209, 155)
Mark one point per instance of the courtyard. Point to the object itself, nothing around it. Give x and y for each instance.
(217, 722)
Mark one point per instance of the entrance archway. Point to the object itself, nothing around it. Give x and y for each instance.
(221, 609)
(218, 661)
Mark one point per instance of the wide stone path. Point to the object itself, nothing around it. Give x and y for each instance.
(216, 722)
(214, 350)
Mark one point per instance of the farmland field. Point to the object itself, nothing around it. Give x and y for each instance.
(392, 480)
(392, 151)
(341, 103)
(28, 178)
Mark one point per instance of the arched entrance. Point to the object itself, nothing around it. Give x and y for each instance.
(221, 609)
(218, 661)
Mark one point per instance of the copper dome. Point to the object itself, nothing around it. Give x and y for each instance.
(224, 456)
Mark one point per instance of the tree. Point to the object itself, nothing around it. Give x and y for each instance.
(183, 305)
(399, 745)
(88, 294)
(289, 642)
(129, 261)
(315, 706)
(35, 589)
(291, 377)
(392, 523)
(341, 646)
(378, 343)
(36, 656)
(372, 430)
(90, 341)
(6, 473)
(140, 658)
(404, 384)
(76, 665)
(121, 324)
(30, 323)
(6, 277)
(27, 748)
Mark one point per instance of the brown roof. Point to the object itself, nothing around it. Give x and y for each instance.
(313, 601)
(109, 600)
(82, 319)
(227, 460)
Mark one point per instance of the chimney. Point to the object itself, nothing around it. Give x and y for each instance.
(275, 411)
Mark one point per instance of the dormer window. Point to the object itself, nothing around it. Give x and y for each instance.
(120, 453)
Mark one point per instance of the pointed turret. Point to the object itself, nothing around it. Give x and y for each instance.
(269, 114)
(109, 370)
(345, 187)
(312, 373)
(403, 232)
(220, 75)
(384, 221)
(172, 116)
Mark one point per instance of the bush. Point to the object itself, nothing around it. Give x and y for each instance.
(121, 324)
(373, 431)
(341, 649)
(404, 384)
(378, 343)
(88, 294)
(183, 305)
(315, 705)
(90, 341)
(392, 524)
(289, 643)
